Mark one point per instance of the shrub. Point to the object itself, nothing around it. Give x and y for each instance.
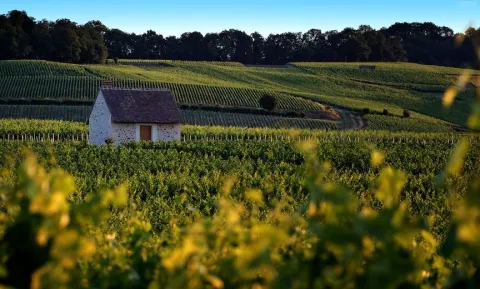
(365, 111)
(268, 102)
(406, 113)
(115, 59)
(385, 112)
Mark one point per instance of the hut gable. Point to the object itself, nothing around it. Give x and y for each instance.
(100, 121)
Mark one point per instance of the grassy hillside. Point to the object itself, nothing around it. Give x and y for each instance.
(299, 86)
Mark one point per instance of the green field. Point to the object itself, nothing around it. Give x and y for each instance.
(298, 86)
(260, 202)
(159, 170)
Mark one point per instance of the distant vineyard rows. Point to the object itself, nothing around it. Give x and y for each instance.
(86, 88)
(193, 117)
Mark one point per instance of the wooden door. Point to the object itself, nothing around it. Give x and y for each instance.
(146, 132)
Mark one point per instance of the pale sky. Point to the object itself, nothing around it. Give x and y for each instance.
(265, 16)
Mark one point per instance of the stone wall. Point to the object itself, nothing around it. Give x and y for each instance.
(124, 132)
(168, 132)
(127, 132)
(99, 122)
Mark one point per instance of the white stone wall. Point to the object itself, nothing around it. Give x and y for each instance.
(168, 132)
(124, 132)
(100, 121)
(127, 132)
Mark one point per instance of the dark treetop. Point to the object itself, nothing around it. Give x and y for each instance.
(23, 37)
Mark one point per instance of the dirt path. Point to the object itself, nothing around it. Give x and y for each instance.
(349, 120)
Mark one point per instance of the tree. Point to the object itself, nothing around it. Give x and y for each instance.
(258, 48)
(66, 42)
(22, 37)
(236, 46)
(268, 102)
(42, 40)
(191, 46)
(313, 45)
(92, 38)
(15, 31)
(356, 49)
(172, 45)
(212, 47)
(118, 43)
(282, 48)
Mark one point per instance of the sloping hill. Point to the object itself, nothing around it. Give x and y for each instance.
(392, 87)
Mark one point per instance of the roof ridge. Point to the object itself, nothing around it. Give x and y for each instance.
(134, 88)
(140, 105)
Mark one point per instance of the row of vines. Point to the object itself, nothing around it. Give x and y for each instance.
(185, 215)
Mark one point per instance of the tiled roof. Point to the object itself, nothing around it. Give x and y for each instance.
(141, 105)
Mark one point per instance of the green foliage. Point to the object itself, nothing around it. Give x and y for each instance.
(180, 234)
(268, 102)
(46, 112)
(31, 126)
(391, 123)
(212, 118)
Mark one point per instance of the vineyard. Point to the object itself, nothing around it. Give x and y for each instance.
(236, 213)
(192, 117)
(146, 62)
(300, 87)
(46, 112)
(86, 88)
(380, 122)
(239, 208)
(359, 177)
(210, 118)
(14, 129)
(402, 75)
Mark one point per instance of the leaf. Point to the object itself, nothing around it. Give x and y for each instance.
(449, 96)
(474, 119)
(463, 80)
(255, 196)
(457, 158)
(390, 184)
(377, 159)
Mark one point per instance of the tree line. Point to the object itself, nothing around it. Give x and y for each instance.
(22, 37)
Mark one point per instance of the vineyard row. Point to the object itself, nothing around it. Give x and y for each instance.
(86, 88)
(83, 137)
(193, 117)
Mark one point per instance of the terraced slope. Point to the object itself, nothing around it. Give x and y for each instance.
(393, 87)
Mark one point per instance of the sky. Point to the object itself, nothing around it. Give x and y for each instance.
(174, 17)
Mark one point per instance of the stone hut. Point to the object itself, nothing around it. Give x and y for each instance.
(368, 67)
(125, 115)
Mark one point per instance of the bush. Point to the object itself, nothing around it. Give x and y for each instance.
(365, 111)
(268, 102)
(115, 59)
(406, 113)
(385, 112)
